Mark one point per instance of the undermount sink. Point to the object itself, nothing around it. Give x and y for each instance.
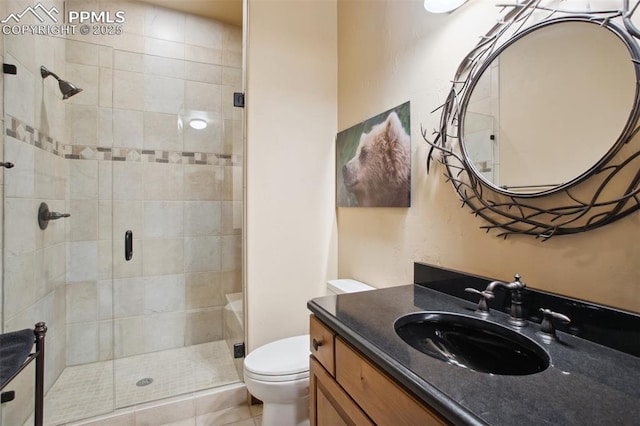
(472, 343)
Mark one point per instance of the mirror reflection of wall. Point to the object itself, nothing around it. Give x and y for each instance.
(561, 96)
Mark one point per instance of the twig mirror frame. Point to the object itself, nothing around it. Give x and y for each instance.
(605, 193)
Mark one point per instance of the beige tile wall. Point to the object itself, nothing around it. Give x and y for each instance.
(34, 260)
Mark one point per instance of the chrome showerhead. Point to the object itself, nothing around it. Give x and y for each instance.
(68, 89)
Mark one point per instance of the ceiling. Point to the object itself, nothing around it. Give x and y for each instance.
(229, 11)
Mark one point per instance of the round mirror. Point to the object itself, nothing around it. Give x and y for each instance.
(548, 107)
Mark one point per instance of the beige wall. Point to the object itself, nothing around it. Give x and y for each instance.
(291, 126)
(391, 52)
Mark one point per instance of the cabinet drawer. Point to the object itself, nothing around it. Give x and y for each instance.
(384, 401)
(330, 405)
(321, 344)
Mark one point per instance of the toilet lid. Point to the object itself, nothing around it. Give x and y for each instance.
(282, 357)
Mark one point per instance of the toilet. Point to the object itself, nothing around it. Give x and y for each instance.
(278, 372)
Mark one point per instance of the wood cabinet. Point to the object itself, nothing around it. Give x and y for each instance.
(346, 388)
(322, 340)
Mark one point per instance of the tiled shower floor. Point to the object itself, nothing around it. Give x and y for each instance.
(87, 390)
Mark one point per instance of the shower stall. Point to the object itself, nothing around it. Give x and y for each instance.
(134, 144)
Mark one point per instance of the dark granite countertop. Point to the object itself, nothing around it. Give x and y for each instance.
(586, 383)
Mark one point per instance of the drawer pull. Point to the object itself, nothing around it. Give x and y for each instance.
(316, 344)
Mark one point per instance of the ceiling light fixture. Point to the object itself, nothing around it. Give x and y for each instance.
(442, 6)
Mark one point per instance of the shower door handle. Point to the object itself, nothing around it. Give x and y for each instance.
(128, 245)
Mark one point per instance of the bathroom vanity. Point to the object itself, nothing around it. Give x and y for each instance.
(347, 388)
(363, 372)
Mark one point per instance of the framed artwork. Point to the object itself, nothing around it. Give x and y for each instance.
(373, 161)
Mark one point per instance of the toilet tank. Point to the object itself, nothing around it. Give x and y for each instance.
(346, 285)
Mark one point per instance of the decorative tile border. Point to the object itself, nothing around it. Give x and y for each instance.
(27, 134)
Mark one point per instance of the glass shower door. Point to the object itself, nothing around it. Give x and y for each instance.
(176, 191)
(57, 274)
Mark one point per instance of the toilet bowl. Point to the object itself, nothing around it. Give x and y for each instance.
(278, 375)
(278, 372)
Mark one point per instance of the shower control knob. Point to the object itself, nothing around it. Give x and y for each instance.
(45, 215)
(56, 215)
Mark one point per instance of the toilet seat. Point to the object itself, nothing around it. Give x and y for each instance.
(280, 361)
(286, 378)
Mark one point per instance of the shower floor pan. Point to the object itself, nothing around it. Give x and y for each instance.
(87, 390)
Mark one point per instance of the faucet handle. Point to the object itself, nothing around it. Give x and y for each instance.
(483, 307)
(516, 279)
(547, 328)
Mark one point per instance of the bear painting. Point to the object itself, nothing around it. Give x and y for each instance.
(378, 173)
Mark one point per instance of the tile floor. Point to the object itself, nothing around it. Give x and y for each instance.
(88, 390)
(236, 416)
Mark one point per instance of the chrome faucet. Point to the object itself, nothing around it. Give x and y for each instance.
(517, 316)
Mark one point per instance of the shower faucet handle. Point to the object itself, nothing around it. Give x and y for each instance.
(56, 215)
(45, 215)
